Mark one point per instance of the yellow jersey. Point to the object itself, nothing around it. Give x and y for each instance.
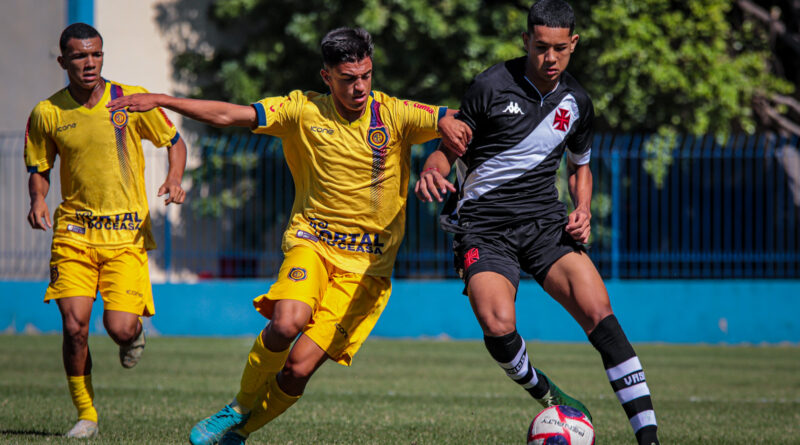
(104, 203)
(350, 178)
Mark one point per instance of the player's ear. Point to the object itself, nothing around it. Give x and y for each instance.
(62, 62)
(326, 77)
(573, 42)
(525, 39)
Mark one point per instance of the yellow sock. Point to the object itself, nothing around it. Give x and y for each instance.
(82, 393)
(261, 365)
(274, 404)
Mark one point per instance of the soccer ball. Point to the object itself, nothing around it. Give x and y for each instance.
(561, 425)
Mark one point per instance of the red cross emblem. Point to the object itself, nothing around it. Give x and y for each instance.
(470, 257)
(561, 121)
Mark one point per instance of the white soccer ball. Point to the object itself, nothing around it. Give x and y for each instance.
(561, 425)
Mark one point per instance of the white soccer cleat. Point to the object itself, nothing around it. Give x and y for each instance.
(130, 355)
(84, 429)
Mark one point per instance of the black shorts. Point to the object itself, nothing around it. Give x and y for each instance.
(532, 247)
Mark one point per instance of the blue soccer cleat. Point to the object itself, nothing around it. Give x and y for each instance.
(555, 396)
(232, 438)
(210, 430)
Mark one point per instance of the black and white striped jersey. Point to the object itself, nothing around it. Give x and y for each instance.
(508, 173)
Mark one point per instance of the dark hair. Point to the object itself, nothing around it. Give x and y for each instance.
(552, 14)
(80, 31)
(345, 45)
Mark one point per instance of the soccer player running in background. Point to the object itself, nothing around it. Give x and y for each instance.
(348, 152)
(506, 214)
(102, 226)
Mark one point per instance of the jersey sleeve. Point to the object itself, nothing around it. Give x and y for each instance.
(155, 126)
(40, 150)
(474, 104)
(579, 144)
(279, 115)
(420, 121)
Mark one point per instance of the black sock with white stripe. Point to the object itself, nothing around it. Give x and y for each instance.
(625, 373)
(510, 353)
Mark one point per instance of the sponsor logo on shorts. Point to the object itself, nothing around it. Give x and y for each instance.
(305, 235)
(135, 293)
(470, 257)
(53, 274)
(341, 330)
(76, 229)
(297, 274)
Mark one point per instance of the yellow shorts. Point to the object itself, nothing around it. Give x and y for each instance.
(345, 305)
(121, 275)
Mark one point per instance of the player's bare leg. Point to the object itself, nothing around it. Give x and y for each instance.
(574, 282)
(492, 298)
(267, 356)
(127, 331)
(75, 315)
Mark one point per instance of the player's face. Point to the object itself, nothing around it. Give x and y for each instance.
(83, 61)
(350, 84)
(549, 50)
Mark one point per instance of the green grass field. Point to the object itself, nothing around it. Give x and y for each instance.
(401, 392)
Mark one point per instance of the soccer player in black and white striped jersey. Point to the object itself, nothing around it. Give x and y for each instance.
(506, 216)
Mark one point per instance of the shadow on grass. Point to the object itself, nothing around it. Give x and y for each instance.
(29, 433)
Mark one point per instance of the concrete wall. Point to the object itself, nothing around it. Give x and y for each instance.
(674, 311)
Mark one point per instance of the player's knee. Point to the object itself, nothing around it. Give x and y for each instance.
(123, 333)
(76, 331)
(287, 328)
(497, 325)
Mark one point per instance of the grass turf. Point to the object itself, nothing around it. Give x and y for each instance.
(401, 392)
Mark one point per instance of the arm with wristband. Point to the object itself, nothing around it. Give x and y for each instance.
(432, 183)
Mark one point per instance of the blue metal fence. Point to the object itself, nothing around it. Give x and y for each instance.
(724, 210)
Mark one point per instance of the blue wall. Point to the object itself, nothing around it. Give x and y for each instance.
(677, 311)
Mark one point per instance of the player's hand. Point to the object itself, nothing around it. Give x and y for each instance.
(135, 102)
(578, 225)
(39, 215)
(432, 185)
(173, 188)
(455, 135)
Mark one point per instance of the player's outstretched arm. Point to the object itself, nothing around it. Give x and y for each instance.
(177, 164)
(212, 112)
(455, 133)
(432, 183)
(38, 186)
(580, 189)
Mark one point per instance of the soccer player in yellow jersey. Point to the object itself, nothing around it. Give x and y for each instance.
(349, 154)
(102, 226)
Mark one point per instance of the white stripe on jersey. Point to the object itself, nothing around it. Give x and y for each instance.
(643, 419)
(625, 395)
(521, 158)
(580, 159)
(627, 367)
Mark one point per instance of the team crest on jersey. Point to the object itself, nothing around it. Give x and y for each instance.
(377, 137)
(119, 118)
(561, 119)
(297, 274)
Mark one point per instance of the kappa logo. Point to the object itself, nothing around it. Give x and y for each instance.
(513, 108)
